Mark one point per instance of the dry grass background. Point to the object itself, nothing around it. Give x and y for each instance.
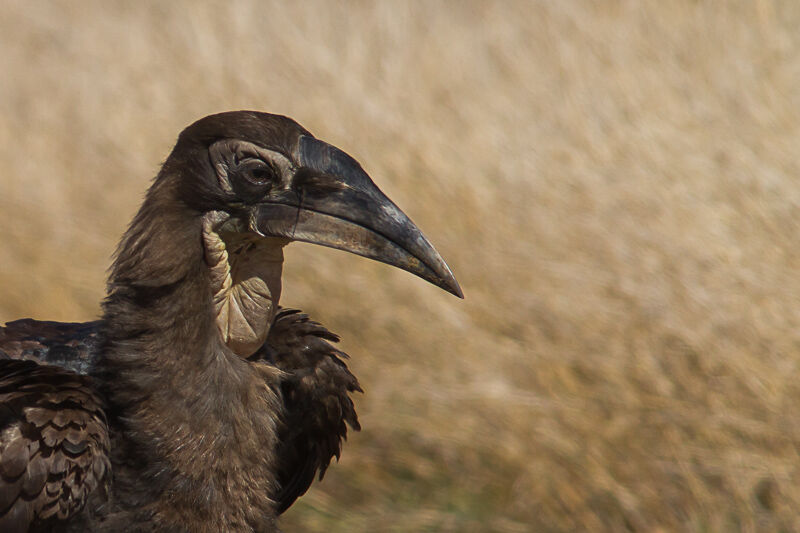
(615, 185)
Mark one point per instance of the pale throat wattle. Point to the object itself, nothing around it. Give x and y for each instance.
(245, 271)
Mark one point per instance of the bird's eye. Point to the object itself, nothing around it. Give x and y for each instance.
(257, 172)
(260, 175)
(251, 178)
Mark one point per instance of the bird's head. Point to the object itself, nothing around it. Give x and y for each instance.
(262, 180)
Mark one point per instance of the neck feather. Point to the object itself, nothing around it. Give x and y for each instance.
(201, 418)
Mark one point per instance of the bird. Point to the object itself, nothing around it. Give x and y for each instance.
(197, 402)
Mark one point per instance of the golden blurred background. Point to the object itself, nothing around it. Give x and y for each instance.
(615, 185)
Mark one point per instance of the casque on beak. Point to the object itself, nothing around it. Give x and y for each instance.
(331, 201)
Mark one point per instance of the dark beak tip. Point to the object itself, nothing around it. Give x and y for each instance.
(453, 288)
(446, 280)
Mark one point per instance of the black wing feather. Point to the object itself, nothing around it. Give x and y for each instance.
(73, 346)
(317, 404)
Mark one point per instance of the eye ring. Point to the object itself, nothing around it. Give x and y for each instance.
(257, 171)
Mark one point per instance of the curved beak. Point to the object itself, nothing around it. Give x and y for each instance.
(331, 201)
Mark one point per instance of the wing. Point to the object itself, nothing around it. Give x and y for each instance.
(316, 394)
(54, 444)
(68, 345)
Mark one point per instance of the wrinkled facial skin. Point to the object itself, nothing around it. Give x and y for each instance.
(249, 171)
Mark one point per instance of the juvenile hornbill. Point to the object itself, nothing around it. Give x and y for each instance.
(196, 403)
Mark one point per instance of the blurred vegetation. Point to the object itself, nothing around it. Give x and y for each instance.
(615, 185)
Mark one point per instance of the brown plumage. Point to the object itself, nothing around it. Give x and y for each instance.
(55, 443)
(197, 403)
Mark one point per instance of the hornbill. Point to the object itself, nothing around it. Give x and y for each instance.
(196, 403)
